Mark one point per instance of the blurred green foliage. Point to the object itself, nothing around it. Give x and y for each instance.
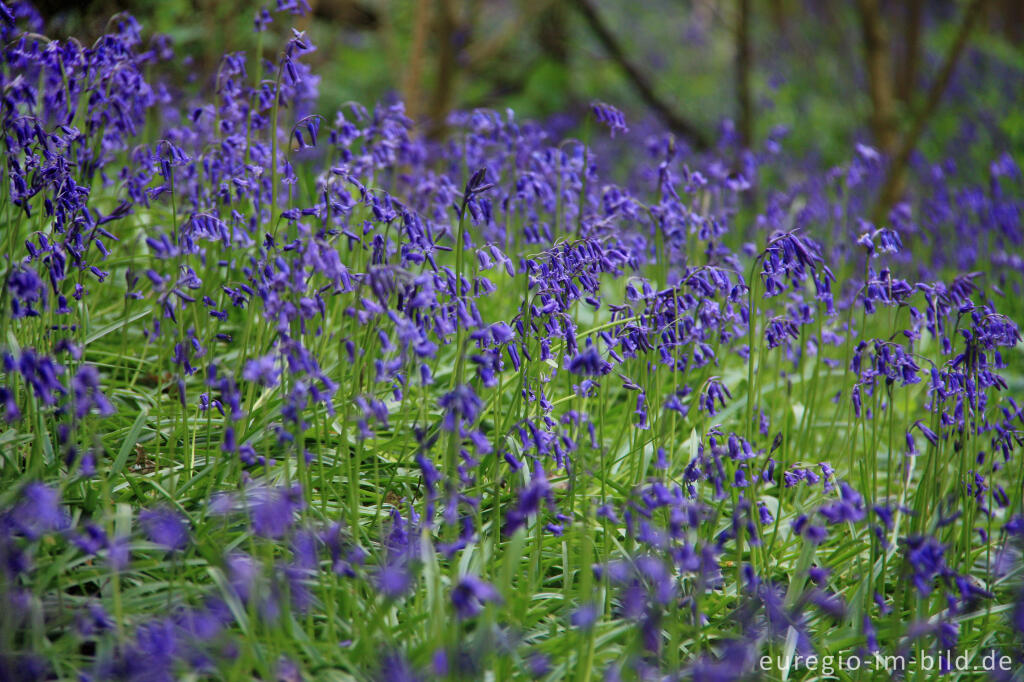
(539, 58)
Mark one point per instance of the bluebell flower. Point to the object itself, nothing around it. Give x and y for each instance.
(529, 501)
(272, 510)
(470, 594)
(394, 579)
(165, 527)
(395, 668)
(86, 393)
(584, 617)
(609, 116)
(38, 511)
(262, 370)
(461, 406)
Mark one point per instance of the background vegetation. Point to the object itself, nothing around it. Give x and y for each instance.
(808, 65)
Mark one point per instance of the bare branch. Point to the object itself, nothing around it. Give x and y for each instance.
(643, 87)
(892, 187)
(911, 48)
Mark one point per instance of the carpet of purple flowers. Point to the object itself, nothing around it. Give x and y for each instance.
(287, 396)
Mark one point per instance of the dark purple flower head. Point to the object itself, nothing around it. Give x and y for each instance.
(778, 329)
(477, 184)
(538, 665)
(272, 510)
(38, 511)
(880, 241)
(461, 406)
(11, 411)
(28, 292)
(734, 663)
(610, 116)
(395, 578)
(584, 617)
(395, 668)
(818, 575)
(41, 373)
(165, 527)
(119, 553)
(470, 594)
(262, 370)
(288, 671)
(530, 499)
(926, 556)
(306, 131)
(93, 621)
(91, 540)
(849, 508)
(158, 644)
(714, 391)
(790, 257)
(86, 393)
(589, 363)
(802, 526)
(263, 20)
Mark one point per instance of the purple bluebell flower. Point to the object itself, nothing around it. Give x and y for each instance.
(589, 363)
(86, 393)
(395, 668)
(394, 579)
(272, 510)
(461, 406)
(165, 527)
(94, 621)
(262, 370)
(609, 116)
(470, 594)
(584, 617)
(38, 511)
(530, 499)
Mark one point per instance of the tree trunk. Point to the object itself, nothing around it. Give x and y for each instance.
(745, 121)
(553, 32)
(892, 187)
(444, 85)
(877, 63)
(412, 80)
(911, 49)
